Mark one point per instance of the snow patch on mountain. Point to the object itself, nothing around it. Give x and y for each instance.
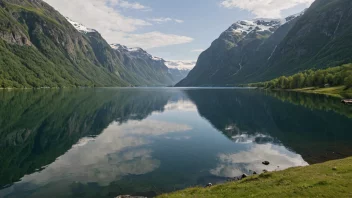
(261, 24)
(136, 52)
(80, 27)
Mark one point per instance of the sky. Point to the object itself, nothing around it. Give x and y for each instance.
(171, 29)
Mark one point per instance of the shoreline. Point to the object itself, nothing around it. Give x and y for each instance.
(328, 179)
(338, 92)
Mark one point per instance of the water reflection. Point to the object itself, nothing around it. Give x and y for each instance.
(107, 142)
(315, 126)
(235, 164)
(119, 151)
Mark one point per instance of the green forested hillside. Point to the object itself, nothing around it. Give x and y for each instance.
(334, 76)
(321, 38)
(318, 38)
(40, 48)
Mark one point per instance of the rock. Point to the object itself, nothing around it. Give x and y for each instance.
(255, 173)
(266, 163)
(244, 176)
(209, 185)
(265, 171)
(334, 169)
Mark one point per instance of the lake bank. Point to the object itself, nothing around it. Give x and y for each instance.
(329, 179)
(339, 91)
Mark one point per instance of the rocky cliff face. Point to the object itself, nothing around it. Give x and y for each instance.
(41, 48)
(320, 38)
(259, 50)
(230, 54)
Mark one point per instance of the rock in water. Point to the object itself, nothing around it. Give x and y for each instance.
(244, 176)
(266, 163)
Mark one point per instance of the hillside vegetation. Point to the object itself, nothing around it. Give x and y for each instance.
(40, 48)
(340, 78)
(318, 38)
(330, 179)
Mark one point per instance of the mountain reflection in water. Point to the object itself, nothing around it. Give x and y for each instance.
(107, 142)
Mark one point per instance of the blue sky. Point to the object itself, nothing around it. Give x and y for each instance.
(171, 29)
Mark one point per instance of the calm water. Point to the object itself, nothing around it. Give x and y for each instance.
(107, 142)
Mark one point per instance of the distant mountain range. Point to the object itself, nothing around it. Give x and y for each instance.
(41, 48)
(263, 49)
(150, 70)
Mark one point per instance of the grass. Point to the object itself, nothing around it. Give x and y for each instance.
(339, 91)
(330, 179)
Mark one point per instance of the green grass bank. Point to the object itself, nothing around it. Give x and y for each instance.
(329, 179)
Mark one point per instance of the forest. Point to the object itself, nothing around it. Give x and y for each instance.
(334, 76)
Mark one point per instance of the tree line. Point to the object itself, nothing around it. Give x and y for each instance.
(334, 76)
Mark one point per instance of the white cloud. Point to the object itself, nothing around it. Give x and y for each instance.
(178, 20)
(164, 20)
(113, 26)
(197, 50)
(150, 39)
(128, 5)
(265, 8)
(181, 64)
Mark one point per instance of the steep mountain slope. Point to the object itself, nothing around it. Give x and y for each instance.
(39, 48)
(146, 69)
(238, 47)
(320, 37)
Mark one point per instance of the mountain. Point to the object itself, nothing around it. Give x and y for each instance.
(229, 55)
(148, 69)
(41, 48)
(262, 49)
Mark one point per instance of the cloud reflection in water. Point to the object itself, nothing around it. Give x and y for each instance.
(117, 152)
(261, 148)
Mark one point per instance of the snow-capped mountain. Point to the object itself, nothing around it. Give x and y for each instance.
(260, 24)
(135, 52)
(144, 67)
(80, 27)
(247, 26)
(176, 70)
(239, 51)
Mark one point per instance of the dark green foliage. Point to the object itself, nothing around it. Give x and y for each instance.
(334, 76)
(40, 48)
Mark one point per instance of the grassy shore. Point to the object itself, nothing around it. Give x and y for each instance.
(330, 179)
(339, 91)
